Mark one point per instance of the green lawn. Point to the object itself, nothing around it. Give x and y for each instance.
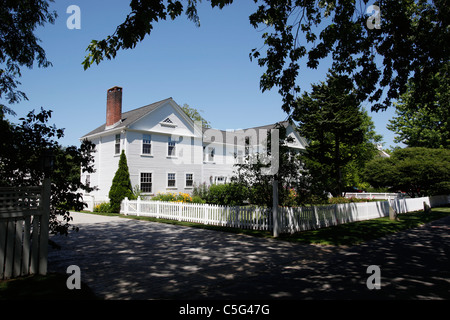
(362, 231)
(49, 287)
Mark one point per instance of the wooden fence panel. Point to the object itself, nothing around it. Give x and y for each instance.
(23, 230)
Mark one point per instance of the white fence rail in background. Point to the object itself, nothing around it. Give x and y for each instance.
(92, 201)
(374, 195)
(23, 231)
(290, 219)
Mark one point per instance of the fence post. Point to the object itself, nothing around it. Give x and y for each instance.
(157, 209)
(336, 219)
(275, 208)
(43, 241)
(179, 211)
(138, 206)
(126, 206)
(318, 224)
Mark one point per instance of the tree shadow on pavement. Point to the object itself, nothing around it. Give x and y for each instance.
(133, 259)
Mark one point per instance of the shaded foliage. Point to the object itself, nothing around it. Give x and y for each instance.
(416, 171)
(19, 46)
(340, 135)
(252, 172)
(22, 150)
(411, 42)
(426, 124)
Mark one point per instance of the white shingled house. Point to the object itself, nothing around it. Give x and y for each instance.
(166, 151)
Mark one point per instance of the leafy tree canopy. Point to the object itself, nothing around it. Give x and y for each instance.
(195, 115)
(417, 171)
(340, 135)
(411, 43)
(19, 47)
(251, 172)
(426, 124)
(22, 147)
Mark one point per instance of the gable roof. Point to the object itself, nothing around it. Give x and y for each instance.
(267, 127)
(242, 132)
(129, 117)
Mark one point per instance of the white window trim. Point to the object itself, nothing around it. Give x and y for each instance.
(167, 180)
(186, 186)
(151, 146)
(175, 148)
(153, 185)
(206, 154)
(216, 178)
(115, 144)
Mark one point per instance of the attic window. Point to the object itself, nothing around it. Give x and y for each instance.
(167, 122)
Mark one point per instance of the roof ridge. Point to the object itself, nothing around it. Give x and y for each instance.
(131, 115)
(147, 105)
(262, 126)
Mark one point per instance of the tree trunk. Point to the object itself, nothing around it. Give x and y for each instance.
(337, 166)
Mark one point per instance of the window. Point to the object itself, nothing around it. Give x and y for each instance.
(189, 180)
(171, 183)
(117, 145)
(147, 144)
(211, 152)
(171, 148)
(247, 146)
(146, 182)
(220, 180)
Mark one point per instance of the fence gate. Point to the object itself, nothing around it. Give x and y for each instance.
(24, 221)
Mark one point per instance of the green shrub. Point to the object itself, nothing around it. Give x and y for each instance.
(306, 198)
(230, 194)
(104, 207)
(260, 194)
(165, 197)
(201, 191)
(290, 198)
(121, 185)
(198, 199)
(180, 197)
(337, 200)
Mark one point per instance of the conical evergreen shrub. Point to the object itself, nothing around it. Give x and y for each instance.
(121, 185)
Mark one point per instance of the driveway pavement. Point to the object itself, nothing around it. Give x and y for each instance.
(130, 259)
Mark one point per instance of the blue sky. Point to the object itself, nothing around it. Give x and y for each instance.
(208, 68)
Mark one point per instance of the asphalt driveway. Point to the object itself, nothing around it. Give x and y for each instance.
(130, 259)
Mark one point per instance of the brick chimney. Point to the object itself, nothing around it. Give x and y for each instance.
(113, 106)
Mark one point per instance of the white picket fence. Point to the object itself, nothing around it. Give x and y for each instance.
(239, 217)
(24, 223)
(291, 219)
